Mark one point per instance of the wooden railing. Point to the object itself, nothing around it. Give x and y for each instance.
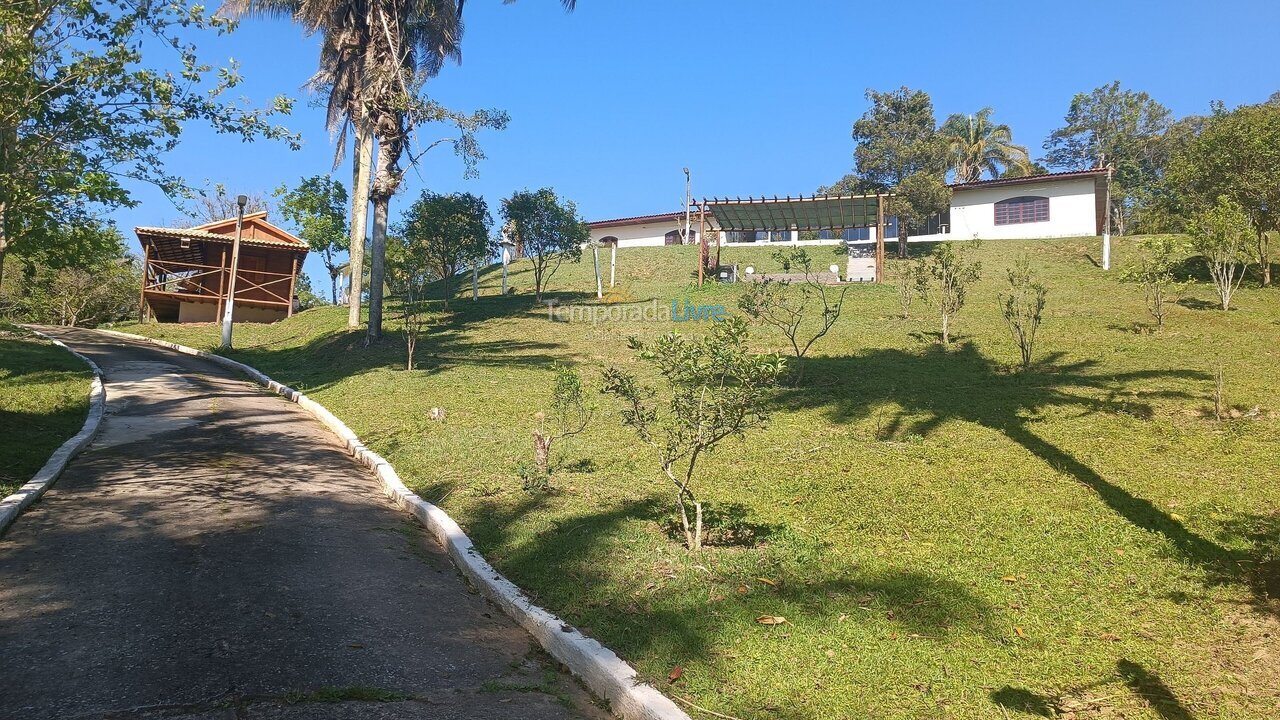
(189, 279)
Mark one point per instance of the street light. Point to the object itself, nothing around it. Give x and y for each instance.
(229, 310)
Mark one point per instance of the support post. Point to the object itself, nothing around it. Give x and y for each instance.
(142, 294)
(595, 260)
(222, 272)
(704, 250)
(613, 261)
(879, 238)
(293, 278)
(475, 282)
(1106, 228)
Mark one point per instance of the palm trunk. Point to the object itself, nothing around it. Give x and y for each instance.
(377, 265)
(385, 183)
(361, 163)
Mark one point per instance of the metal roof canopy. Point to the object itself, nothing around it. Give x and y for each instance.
(820, 212)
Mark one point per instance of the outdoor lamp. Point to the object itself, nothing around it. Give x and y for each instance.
(242, 200)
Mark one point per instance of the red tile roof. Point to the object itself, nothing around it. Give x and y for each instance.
(637, 220)
(1070, 174)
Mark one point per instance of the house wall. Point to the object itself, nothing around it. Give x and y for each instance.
(207, 312)
(646, 235)
(1072, 211)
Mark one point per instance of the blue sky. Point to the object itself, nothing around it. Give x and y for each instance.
(608, 103)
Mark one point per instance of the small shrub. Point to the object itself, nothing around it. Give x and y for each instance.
(714, 389)
(1156, 272)
(570, 414)
(909, 277)
(804, 312)
(1023, 308)
(953, 271)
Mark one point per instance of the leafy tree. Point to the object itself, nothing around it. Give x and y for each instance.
(80, 113)
(570, 415)
(547, 230)
(1235, 154)
(976, 145)
(897, 139)
(1022, 306)
(1222, 235)
(713, 389)
(917, 198)
(1156, 271)
(97, 285)
(317, 210)
(447, 233)
(1120, 127)
(804, 312)
(953, 271)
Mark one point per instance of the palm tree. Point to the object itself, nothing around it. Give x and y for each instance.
(344, 26)
(975, 146)
(374, 56)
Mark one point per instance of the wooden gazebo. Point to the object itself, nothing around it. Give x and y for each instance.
(187, 271)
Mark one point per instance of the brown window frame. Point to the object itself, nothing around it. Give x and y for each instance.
(1022, 210)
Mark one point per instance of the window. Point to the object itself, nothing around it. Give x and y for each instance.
(1025, 209)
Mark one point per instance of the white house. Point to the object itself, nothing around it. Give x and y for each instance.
(1065, 204)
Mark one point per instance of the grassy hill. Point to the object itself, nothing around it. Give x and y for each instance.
(44, 398)
(946, 537)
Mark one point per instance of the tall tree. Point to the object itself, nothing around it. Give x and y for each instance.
(445, 233)
(317, 210)
(214, 203)
(1235, 155)
(976, 145)
(1120, 127)
(80, 112)
(897, 138)
(547, 230)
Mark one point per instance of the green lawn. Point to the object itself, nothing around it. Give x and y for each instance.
(946, 537)
(44, 398)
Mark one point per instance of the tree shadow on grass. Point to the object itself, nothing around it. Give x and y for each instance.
(1146, 686)
(684, 607)
(333, 357)
(939, 385)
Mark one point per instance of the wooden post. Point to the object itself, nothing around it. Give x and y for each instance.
(222, 265)
(293, 278)
(879, 238)
(142, 294)
(704, 251)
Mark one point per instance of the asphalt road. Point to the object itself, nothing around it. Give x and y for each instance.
(216, 554)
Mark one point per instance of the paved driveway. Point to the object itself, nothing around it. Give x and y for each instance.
(215, 554)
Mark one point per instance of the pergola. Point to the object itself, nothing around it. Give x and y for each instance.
(836, 213)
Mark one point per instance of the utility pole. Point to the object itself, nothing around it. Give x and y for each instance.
(229, 309)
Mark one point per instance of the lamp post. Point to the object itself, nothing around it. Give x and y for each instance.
(229, 309)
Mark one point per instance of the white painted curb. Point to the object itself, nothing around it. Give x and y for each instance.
(12, 506)
(606, 674)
